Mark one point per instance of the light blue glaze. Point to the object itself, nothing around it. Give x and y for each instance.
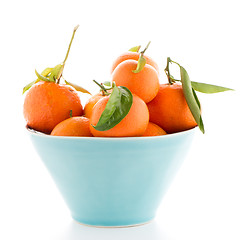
(113, 181)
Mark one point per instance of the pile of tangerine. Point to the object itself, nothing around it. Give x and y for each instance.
(157, 109)
(153, 108)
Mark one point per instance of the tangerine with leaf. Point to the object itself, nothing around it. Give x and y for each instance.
(48, 102)
(170, 110)
(138, 76)
(176, 107)
(121, 114)
(87, 111)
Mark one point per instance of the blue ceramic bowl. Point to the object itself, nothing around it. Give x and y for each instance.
(113, 181)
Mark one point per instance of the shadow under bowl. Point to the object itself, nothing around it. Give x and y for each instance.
(113, 182)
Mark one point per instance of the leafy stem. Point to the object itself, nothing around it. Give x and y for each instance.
(189, 87)
(54, 74)
(141, 60)
(103, 88)
(188, 91)
(117, 107)
(171, 79)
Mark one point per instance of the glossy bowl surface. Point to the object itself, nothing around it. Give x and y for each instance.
(113, 181)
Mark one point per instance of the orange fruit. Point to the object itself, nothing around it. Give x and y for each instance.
(74, 126)
(134, 56)
(87, 111)
(153, 130)
(169, 109)
(134, 123)
(47, 103)
(145, 83)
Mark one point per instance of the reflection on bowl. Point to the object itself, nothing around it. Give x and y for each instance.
(113, 181)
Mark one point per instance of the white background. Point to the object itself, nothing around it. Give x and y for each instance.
(203, 36)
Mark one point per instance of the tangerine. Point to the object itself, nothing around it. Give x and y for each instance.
(47, 103)
(74, 126)
(169, 109)
(87, 111)
(133, 124)
(153, 130)
(145, 83)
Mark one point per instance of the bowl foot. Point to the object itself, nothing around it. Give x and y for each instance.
(114, 226)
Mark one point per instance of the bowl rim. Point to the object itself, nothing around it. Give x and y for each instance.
(141, 138)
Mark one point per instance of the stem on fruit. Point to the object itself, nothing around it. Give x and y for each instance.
(74, 31)
(171, 79)
(141, 60)
(144, 50)
(103, 89)
(69, 46)
(167, 71)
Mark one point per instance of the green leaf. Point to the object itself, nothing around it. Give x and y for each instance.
(135, 49)
(29, 86)
(196, 98)
(191, 98)
(41, 77)
(56, 73)
(78, 88)
(208, 88)
(44, 73)
(116, 109)
(140, 65)
(107, 83)
(201, 126)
